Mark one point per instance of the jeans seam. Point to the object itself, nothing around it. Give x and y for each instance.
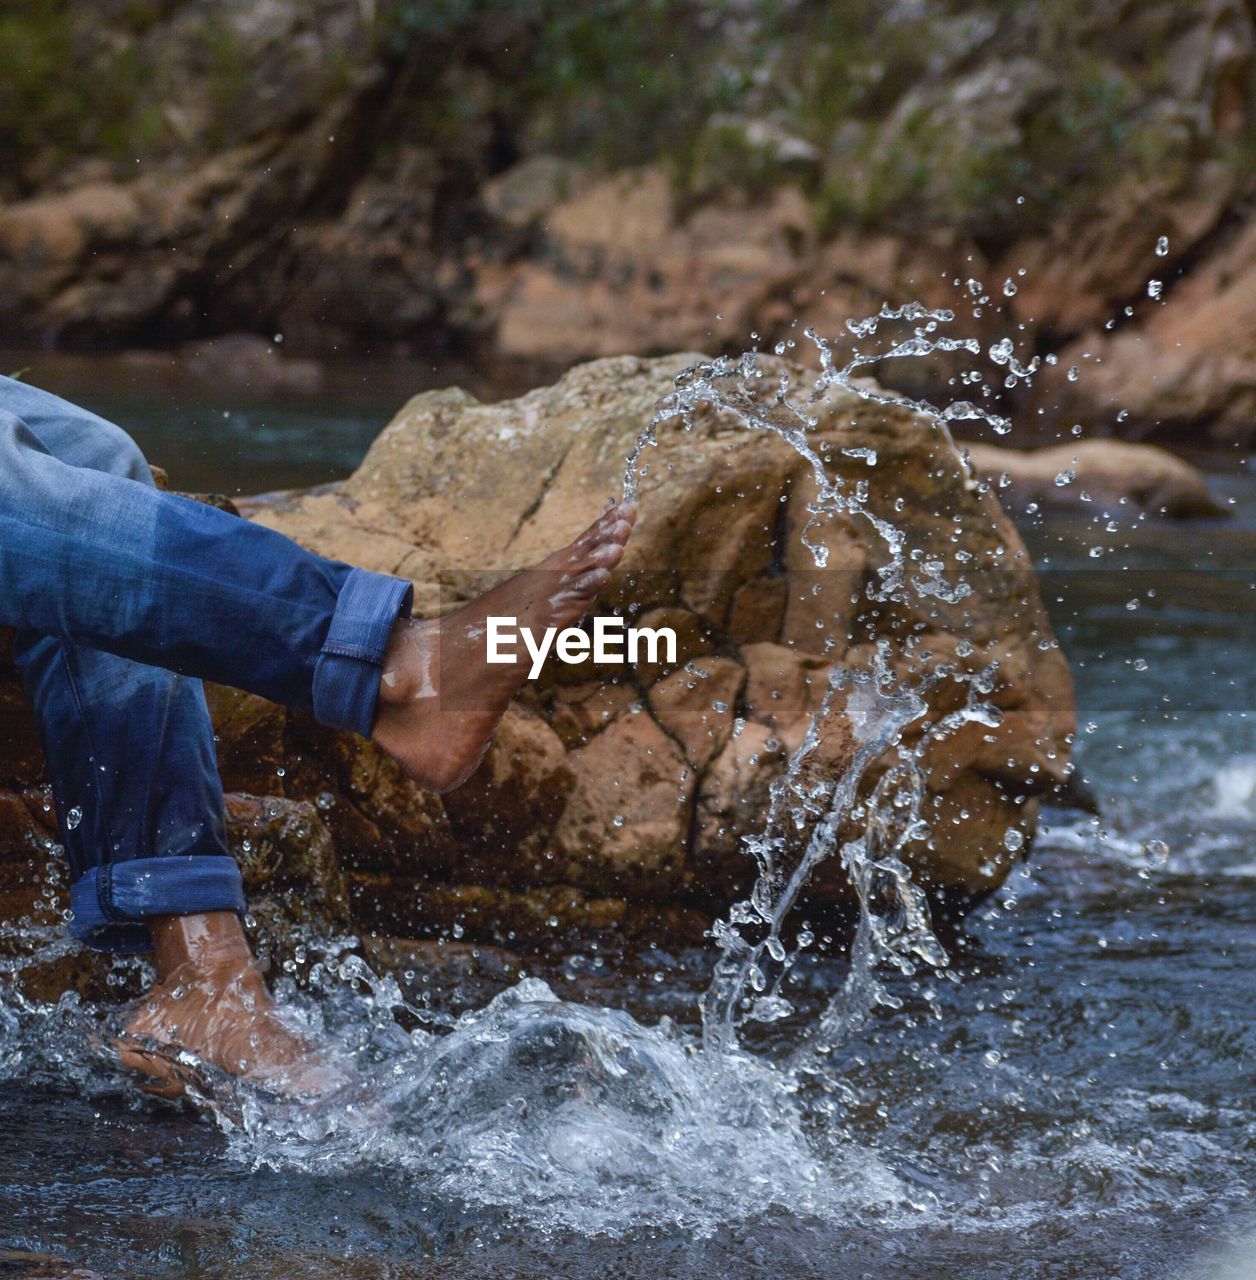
(362, 654)
(102, 817)
(104, 892)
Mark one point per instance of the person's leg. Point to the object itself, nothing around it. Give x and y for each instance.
(114, 565)
(96, 561)
(111, 563)
(129, 746)
(130, 752)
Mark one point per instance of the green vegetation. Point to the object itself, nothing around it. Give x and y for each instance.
(873, 95)
(942, 117)
(68, 91)
(609, 81)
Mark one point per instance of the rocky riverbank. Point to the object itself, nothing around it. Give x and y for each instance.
(519, 183)
(614, 801)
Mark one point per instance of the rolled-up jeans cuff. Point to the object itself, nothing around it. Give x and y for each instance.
(111, 904)
(346, 676)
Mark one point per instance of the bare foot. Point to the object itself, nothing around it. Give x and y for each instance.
(440, 699)
(212, 1003)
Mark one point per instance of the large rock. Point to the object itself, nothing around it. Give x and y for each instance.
(1105, 477)
(615, 801)
(665, 769)
(1186, 369)
(616, 267)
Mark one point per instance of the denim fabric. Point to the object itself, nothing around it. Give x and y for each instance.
(124, 598)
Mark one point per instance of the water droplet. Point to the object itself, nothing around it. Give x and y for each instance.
(1009, 288)
(1065, 478)
(1162, 247)
(73, 818)
(1155, 852)
(1140, 664)
(1013, 839)
(1154, 288)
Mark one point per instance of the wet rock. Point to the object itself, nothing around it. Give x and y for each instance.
(732, 803)
(504, 817)
(623, 828)
(696, 705)
(542, 918)
(1105, 477)
(285, 851)
(664, 786)
(783, 686)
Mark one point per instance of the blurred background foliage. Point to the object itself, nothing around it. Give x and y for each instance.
(869, 106)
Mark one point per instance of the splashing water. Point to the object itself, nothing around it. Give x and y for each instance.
(1083, 1086)
(894, 926)
(583, 1118)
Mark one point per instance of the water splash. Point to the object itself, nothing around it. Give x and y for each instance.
(578, 1117)
(582, 1117)
(894, 926)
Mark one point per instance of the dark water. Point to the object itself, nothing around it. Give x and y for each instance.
(235, 439)
(1077, 1099)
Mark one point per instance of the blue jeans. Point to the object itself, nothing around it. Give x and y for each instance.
(123, 599)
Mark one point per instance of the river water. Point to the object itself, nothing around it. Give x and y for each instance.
(1074, 1098)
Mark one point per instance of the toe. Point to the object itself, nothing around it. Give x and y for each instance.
(591, 582)
(607, 555)
(159, 1075)
(614, 523)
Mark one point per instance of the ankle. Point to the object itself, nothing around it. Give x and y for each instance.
(205, 943)
(395, 682)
